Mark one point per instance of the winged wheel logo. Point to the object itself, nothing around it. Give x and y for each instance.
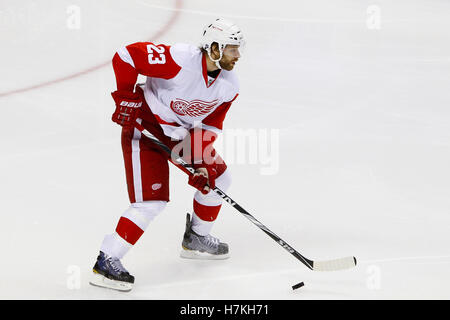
(194, 108)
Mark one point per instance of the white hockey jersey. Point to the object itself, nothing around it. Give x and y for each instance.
(177, 89)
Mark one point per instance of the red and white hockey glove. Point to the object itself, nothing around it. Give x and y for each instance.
(128, 107)
(204, 179)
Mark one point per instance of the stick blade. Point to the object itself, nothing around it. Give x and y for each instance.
(334, 265)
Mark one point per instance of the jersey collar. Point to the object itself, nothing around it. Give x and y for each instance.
(205, 72)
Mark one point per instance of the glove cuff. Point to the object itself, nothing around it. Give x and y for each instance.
(124, 94)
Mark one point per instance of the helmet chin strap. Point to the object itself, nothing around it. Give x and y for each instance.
(218, 64)
(216, 61)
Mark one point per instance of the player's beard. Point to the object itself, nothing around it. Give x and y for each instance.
(227, 64)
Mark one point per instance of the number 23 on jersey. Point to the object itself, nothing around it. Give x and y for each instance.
(156, 54)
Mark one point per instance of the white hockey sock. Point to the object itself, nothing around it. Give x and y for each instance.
(113, 245)
(201, 227)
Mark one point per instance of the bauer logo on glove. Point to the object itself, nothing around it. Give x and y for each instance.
(128, 106)
(131, 104)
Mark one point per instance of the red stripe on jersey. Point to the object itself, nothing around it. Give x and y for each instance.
(205, 71)
(129, 231)
(234, 98)
(216, 118)
(206, 213)
(161, 121)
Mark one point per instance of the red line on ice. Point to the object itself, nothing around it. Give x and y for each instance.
(158, 34)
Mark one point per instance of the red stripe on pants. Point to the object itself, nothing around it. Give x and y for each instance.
(128, 230)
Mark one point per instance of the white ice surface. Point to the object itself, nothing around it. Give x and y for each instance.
(364, 120)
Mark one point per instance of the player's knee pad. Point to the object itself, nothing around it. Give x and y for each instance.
(142, 213)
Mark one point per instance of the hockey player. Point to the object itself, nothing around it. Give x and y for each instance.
(187, 94)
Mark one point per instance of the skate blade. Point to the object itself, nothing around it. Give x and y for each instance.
(99, 280)
(194, 254)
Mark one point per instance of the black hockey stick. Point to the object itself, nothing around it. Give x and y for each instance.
(325, 265)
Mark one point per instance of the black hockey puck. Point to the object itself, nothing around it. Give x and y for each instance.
(298, 285)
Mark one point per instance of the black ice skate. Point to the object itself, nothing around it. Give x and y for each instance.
(109, 273)
(206, 247)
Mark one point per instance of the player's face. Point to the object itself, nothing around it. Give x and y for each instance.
(231, 55)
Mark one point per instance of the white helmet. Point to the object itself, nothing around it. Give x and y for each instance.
(223, 32)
